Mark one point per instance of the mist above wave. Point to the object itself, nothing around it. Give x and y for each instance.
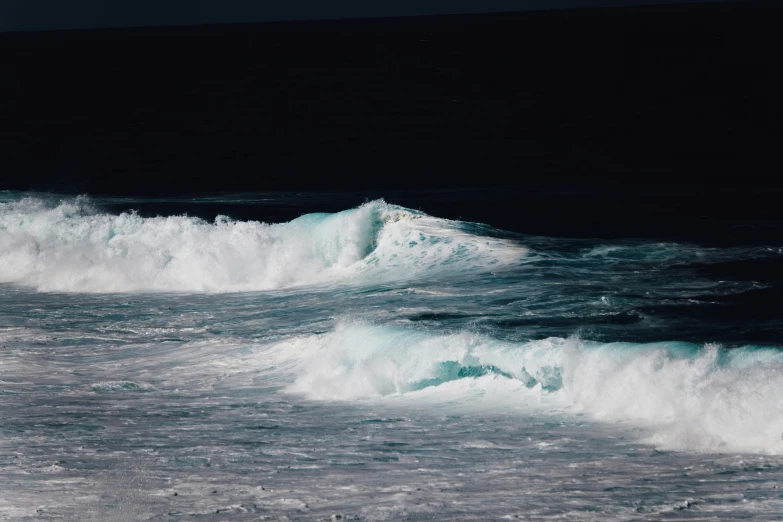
(72, 246)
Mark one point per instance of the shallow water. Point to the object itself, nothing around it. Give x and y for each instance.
(379, 364)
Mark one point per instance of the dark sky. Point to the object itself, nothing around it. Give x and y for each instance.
(21, 15)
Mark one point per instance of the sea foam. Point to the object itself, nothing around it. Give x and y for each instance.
(72, 246)
(690, 397)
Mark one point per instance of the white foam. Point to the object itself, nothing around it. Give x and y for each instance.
(71, 246)
(689, 397)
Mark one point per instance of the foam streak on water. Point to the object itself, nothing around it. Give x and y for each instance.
(378, 364)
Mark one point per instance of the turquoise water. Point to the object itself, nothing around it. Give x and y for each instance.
(378, 364)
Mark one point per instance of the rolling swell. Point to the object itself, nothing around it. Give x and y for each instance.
(72, 246)
(687, 396)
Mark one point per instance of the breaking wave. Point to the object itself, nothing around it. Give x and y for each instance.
(72, 246)
(690, 397)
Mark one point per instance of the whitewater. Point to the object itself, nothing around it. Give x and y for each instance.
(72, 247)
(378, 363)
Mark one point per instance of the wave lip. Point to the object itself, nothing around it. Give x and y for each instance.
(71, 246)
(688, 397)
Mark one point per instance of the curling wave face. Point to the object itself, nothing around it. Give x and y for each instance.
(72, 246)
(689, 397)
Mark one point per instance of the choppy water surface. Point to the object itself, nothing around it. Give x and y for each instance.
(379, 364)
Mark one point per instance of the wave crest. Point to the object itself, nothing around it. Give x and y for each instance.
(690, 397)
(71, 246)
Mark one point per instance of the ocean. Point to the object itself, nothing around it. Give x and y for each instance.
(160, 361)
